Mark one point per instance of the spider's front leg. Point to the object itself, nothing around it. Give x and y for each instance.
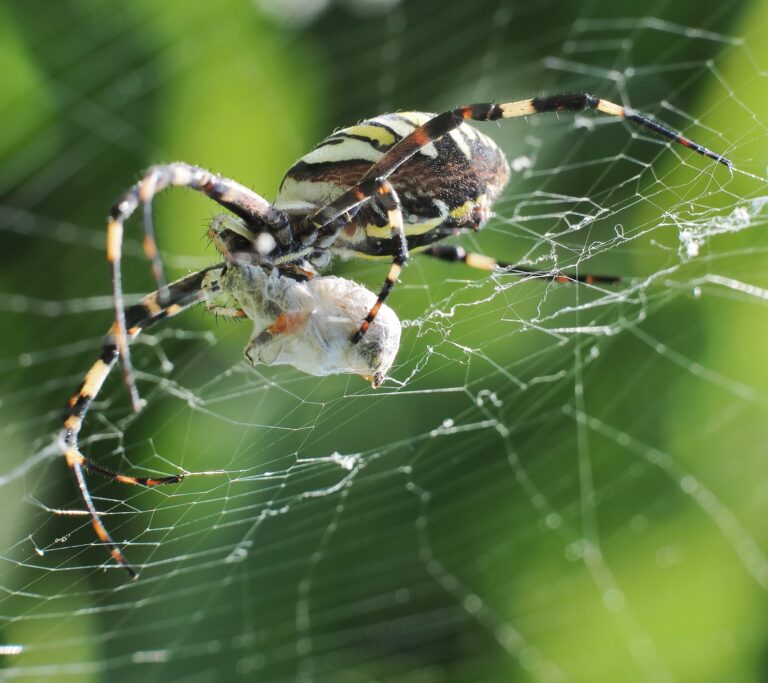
(327, 225)
(180, 295)
(245, 203)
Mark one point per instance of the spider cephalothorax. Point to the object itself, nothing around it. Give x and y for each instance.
(383, 188)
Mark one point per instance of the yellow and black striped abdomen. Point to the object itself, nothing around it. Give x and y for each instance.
(448, 185)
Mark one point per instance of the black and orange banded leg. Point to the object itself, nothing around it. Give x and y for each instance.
(323, 225)
(455, 254)
(180, 295)
(443, 123)
(326, 224)
(387, 199)
(230, 194)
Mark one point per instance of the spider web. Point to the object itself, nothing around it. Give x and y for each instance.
(557, 483)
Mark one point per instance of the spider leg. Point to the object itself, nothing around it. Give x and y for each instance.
(447, 121)
(325, 224)
(456, 254)
(387, 198)
(228, 193)
(181, 295)
(321, 227)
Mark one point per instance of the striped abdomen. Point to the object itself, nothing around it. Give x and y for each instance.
(448, 185)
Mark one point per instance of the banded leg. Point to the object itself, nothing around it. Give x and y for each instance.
(455, 254)
(447, 121)
(326, 223)
(232, 195)
(181, 295)
(320, 228)
(387, 198)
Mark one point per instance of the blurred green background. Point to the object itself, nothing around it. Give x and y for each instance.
(559, 483)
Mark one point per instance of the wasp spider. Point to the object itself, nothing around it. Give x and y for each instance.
(384, 188)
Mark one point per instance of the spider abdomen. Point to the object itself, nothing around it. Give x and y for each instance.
(448, 185)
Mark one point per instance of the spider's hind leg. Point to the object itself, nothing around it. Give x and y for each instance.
(444, 123)
(455, 254)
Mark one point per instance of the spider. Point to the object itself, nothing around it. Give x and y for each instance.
(386, 187)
